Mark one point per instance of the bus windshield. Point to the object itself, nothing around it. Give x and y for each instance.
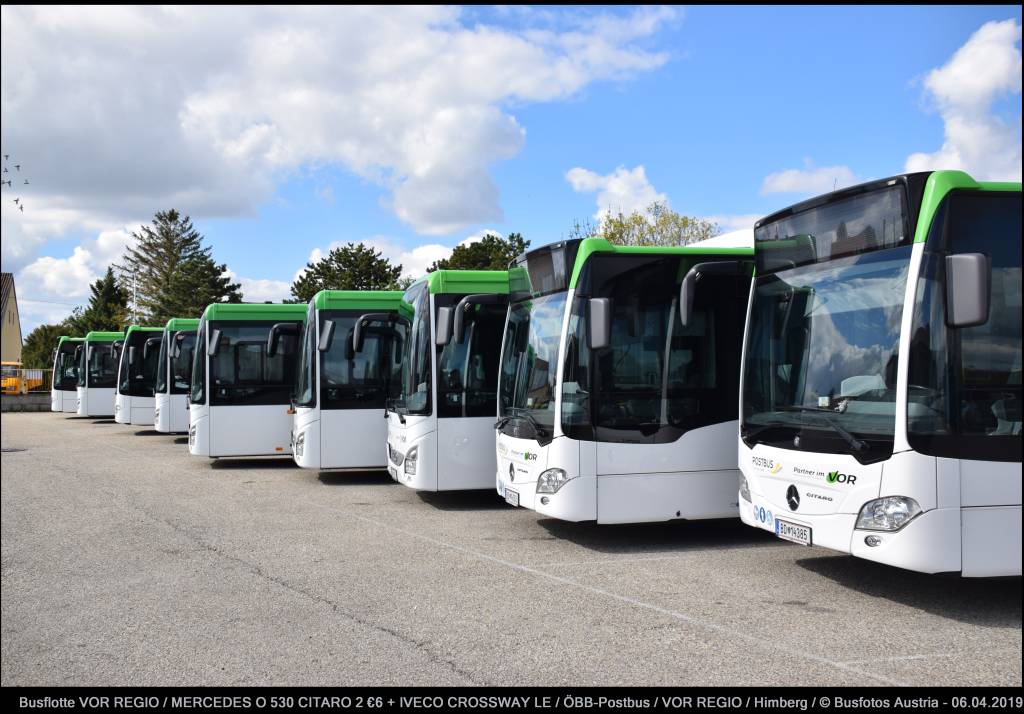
(66, 368)
(414, 393)
(242, 374)
(99, 365)
(529, 361)
(820, 370)
(357, 380)
(137, 372)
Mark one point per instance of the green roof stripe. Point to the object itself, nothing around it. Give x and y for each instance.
(357, 299)
(65, 338)
(590, 246)
(104, 336)
(939, 184)
(467, 282)
(140, 328)
(178, 324)
(254, 311)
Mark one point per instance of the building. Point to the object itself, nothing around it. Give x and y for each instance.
(10, 332)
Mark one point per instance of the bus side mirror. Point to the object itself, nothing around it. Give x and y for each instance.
(600, 315)
(968, 289)
(214, 345)
(459, 323)
(326, 335)
(150, 344)
(689, 285)
(444, 326)
(274, 338)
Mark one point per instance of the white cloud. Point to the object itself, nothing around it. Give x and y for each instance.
(479, 235)
(113, 121)
(624, 190)
(729, 222)
(49, 288)
(261, 290)
(987, 67)
(809, 180)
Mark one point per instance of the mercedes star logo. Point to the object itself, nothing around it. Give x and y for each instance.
(793, 498)
(511, 472)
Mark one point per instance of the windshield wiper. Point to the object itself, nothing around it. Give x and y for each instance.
(852, 441)
(519, 412)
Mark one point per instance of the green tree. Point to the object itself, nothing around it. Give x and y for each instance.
(171, 273)
(657, 225)
(37, 352)
(489, 253)
(107, 308)
(353, 266)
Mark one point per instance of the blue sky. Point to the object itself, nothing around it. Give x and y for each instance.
(284, 135)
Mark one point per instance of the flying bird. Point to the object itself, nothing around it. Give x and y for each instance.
(21, 207)
(5, 182)
(26, 182)
(18, 167)
(6, 156)
(16, 200)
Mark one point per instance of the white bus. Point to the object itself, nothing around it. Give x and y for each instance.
(341, 391)
(136, 375)
(618, 392)
(881, 393)
(64, 392)
(173, 375)
(439, 427)
(239, 399)
(97, 374)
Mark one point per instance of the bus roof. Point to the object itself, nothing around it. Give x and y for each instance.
(357, 299)
(104, 336)
(589, 246)
(177, 324)
(465, 282)
(65, 338)
(140, 328)
(254, 311)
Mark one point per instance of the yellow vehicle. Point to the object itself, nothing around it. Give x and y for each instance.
(19, 381)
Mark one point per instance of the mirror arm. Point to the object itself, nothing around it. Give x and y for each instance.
(468, 301)
(689, 285)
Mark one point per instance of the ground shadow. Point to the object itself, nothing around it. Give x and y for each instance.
(181, 440)
(666, 537)
(355, 478)
(150, 432)
(105, 421)
(269, 462)
(484, 500)
(990, 602)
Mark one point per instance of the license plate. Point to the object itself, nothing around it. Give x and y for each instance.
(792, 532)
(393, 472)
(512, 497)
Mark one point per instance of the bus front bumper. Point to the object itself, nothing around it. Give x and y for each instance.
(930, 543)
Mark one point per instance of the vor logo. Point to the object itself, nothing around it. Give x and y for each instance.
(836, 477)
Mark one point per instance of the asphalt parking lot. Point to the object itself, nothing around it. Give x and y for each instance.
(126, 561)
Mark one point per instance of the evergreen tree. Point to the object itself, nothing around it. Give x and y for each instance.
(107, 308)
(353, 266)
(489, 253)
(171, 273)
(37, 352)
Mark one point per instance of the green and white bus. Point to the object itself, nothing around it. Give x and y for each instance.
(173, 375)
(242, 378)
(618, 392)
(439, 427)
(881, 394)
(136, 375)
(97, 373)
(341, 391)
(64, 391)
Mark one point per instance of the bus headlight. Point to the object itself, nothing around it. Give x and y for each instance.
(410, 460)
(192, 435)
(300, 443)
(551, 480)
(744, 488)
(887, 514)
